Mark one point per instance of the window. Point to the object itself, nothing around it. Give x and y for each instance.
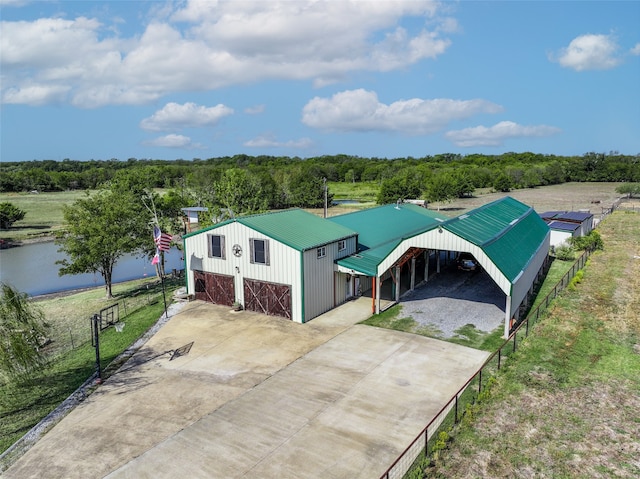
(322, 252)
(216, 246)
(259, 251)
(342, 245)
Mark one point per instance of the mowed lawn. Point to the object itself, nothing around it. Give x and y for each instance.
(568, 405)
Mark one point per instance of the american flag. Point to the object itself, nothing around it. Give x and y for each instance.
(162, 240)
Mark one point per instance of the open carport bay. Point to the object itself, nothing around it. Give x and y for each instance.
(453, 299)
(258, 396)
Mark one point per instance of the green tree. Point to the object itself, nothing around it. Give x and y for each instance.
(503, 183)
(9, 214)
(442, 187)
(304, 188)
(629, 189)
(100, 229)
(241, 192)
(22, 332)
(406, 185)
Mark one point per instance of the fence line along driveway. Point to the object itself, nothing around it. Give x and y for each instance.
(257, 397)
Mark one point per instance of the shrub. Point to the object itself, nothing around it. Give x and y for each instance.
(591, 242)
(565, 252)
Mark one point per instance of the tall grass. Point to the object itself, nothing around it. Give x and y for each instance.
(23, 403)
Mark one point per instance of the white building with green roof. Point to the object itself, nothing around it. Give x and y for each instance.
(278, 263)
(297, 265)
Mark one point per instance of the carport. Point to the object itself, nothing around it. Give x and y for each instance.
(507, 238)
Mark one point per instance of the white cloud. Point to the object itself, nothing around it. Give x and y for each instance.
(35, 95)
(360, 110)
(175, 116)
(269, 141)
(255, 110)
(636, 49)
(13, 3)
(496, 135)
(172, 141)
(589, 52)
(203, 45)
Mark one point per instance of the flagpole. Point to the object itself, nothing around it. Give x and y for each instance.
(164, 297)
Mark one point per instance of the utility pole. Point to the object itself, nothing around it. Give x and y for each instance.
(324, 180)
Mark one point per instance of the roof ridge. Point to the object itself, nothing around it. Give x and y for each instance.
(508, 227)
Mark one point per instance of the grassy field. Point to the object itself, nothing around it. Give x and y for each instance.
(568, 406)
(592, 197)
(44, 213)
(23, 403)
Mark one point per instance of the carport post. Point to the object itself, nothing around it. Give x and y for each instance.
(377, 294)
(507, 316)
(397, 284)
(427, 255)
(413, 273)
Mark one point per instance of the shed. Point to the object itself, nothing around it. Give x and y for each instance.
(561, 231)
(583, 219)
(280, 263)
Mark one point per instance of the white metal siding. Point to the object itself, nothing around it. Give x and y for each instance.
(283, 268)
(522, 284)
(322, 287)
(559, 237)
(447, 241)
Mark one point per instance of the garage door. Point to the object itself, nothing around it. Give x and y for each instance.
(214, 288)
(267, 298)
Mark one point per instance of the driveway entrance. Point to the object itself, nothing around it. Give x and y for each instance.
(257, 397)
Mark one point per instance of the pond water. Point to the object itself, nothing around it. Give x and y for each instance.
(32, 269)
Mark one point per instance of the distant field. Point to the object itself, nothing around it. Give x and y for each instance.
(567, 196)
(44, 213)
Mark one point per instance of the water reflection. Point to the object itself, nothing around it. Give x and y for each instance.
(32, 269)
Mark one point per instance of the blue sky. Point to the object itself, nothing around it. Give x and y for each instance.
(200, 79)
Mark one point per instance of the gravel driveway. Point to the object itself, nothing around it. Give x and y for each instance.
(453, 299)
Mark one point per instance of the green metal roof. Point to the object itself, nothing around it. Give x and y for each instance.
(512, 251)
(508, 231)
(295, 228)
(487, 222)
(381, 229)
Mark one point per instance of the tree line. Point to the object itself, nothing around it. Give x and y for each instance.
(427, 175)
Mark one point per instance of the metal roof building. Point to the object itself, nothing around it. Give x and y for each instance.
(297, 265)
(278, 263)
(508, 239)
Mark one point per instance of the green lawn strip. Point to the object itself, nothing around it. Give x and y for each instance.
(24, 403)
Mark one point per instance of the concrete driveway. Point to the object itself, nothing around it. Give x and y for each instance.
(257, 396)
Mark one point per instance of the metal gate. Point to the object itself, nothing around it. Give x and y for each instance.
(267, 298)
(214, 288)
